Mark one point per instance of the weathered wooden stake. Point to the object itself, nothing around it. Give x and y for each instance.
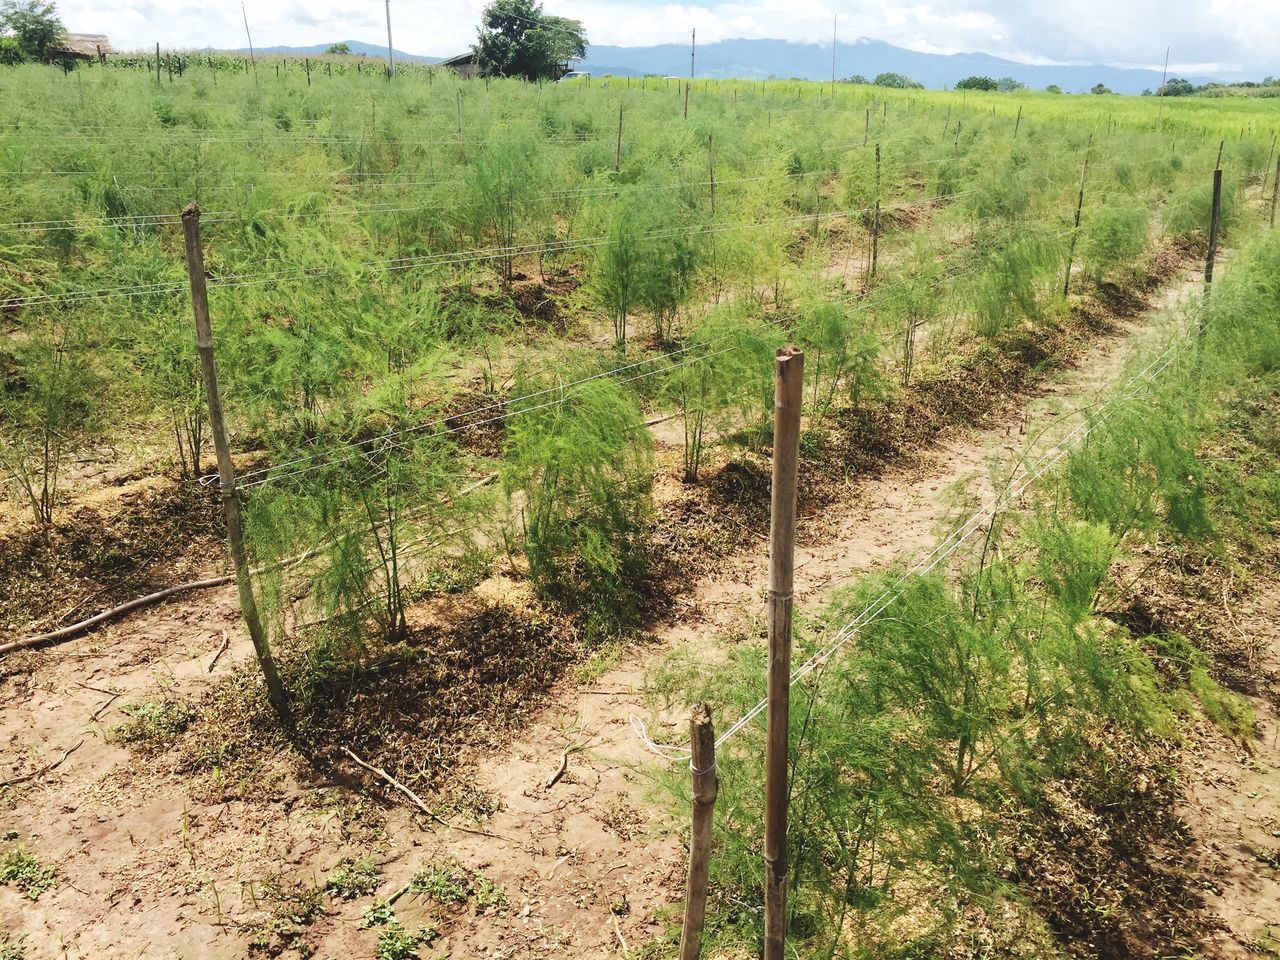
(1071, 250)
(226, 471)
(1267, 169)
(866, 127)
(788, 393)
(1017, 123)
(686, 99)
(1218, 165)
(711, 173)
(306, 65)
(702, 766)
(1275, 188)
(157, 64)
(1213, 228)
(875, 221)
(617, 156)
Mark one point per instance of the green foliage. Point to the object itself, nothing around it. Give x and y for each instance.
(397, 943)
(1116, 234)
(353, 879)
(518, 40)
(897, 81)
(579, 467)
(338, 48)
(12, 947)
(51, 406)
(1100, 89)
(35, 26)
(153, 722)
(1019, 268)
(975, 83)
(31, 877)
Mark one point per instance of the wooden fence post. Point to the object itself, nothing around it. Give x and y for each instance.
(1071, 251)
(1275, 186)
(1017, 123)
(702, 767)
(875, 221)
(226, 470)
(788, 394)
(157, 64)
(686, 100)
(711, 173)
(617, 156)
(1214, 216)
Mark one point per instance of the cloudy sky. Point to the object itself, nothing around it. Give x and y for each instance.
(1214, 36)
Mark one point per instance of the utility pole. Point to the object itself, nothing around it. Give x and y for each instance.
(788, 395)
(226, 471)
(391, 57)
(693, 52)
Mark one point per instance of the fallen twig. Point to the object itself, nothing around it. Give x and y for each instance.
(75, 629)
(417, 801)
(564, 764)
(618, 930)
(43, 770)
(226, 642)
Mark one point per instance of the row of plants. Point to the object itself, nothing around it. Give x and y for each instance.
(986, 763)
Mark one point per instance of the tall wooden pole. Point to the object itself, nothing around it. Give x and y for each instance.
(1164, 77)
(226, 470)
(1214, 215)
(702, 767)
(1017, 123)
(1075, 232)
(253, 60)
(157, 64)
(834, 21)
(391, 55)
(788, 393)
(693, 52)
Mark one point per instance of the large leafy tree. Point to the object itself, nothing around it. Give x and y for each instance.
(518, 40)
(34, 24)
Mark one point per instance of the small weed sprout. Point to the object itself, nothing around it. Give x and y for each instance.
(25, 872)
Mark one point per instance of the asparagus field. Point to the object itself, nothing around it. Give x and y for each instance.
(495, 363)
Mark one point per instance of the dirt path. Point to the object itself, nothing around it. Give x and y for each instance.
(1233, 807)
(147, 869)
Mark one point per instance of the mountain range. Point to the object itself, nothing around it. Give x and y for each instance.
(761, 59)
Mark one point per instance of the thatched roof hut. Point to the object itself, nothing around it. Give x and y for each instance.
(81, 46)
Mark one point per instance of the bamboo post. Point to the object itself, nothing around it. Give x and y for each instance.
(617, 156)
(1213, 228)
(711, 173)
(1267, 169)
(226, 470)
(875, 221)
(702, 767)
(1275, 187)
(788, 394)
(1075, 231)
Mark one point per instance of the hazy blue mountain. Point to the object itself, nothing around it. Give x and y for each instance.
(758, 59)
(357, 48)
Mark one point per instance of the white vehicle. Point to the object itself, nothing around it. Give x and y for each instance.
(574, 75)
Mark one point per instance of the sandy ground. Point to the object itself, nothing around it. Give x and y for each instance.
(147, 868)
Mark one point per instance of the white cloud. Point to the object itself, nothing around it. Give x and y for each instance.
(1239, 34)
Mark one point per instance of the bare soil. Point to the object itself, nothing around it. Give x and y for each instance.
(188, 846)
